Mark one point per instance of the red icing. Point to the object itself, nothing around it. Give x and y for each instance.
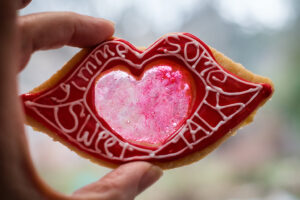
(219, 101)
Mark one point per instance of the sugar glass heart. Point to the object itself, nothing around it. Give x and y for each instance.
(145, 109)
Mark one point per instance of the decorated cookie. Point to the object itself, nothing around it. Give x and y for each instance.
(170, 104)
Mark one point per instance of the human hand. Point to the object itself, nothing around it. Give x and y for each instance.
(19, 38)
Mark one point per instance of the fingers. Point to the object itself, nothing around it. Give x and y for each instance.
(123, 183)
(55, 29)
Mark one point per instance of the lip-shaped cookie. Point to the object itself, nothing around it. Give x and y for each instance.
(169, 104)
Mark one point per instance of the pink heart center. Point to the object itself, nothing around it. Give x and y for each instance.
(146, 110)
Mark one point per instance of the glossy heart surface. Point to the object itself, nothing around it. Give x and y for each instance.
(145, 109)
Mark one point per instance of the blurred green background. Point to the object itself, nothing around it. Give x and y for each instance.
(262, 161)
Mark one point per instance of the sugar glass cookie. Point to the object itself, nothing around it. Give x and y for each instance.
(170, 104)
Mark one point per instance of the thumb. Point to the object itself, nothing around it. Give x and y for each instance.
(123, 183)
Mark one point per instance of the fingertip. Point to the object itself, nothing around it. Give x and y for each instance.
(138, 175)
(150, 176)
(107, 27)
(111, 23)
(149, 173)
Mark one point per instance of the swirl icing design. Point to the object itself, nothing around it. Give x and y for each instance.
(223, 101)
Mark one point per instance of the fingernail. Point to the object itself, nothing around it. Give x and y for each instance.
(150, 177)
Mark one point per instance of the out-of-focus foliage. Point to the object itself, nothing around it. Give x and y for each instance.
(290, 88)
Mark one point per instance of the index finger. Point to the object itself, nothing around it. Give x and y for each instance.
(56, 29)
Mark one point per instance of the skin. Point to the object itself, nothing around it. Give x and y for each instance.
(19, 38)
